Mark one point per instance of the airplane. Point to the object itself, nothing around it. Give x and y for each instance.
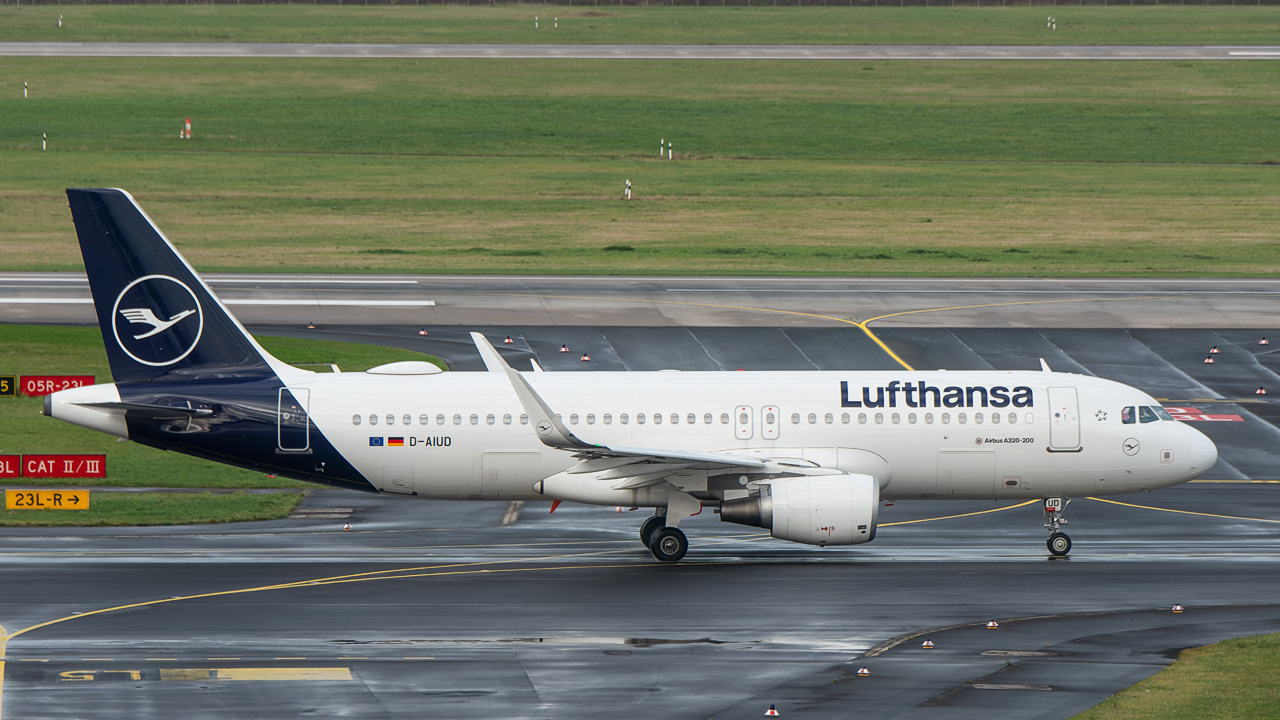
(810, 456)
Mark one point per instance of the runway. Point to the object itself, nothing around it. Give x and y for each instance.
(438, 609)
(500, 300)
(643, 52)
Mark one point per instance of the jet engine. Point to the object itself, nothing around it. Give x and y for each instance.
(814, 509)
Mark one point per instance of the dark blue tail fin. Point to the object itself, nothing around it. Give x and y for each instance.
(158, 318)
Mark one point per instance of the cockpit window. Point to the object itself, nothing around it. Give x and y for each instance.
(1147, 414)
(1162, 413)
(1126, 415)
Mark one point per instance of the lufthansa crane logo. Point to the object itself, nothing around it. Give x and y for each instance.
(157, 320)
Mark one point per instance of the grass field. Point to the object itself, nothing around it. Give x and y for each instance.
(1140, 168)
(408, 23)
(37, 350)
(1232, 680)
(154, 508)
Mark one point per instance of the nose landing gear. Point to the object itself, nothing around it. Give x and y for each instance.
(1054, 509)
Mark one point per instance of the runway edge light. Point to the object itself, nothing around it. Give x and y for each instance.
(864, 672)
(1177, 608)
(927, 644)
(993, 625)
(772, 712)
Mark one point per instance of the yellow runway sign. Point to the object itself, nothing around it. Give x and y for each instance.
(46, 499)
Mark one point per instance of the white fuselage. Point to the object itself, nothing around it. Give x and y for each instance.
(464, 435)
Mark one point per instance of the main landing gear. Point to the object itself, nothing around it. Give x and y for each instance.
(660, 534)
(667, 544)
(1054, 508)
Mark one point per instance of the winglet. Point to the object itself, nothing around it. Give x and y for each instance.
(536, 366)
(493, 362)
(1044, 365)
(550, 430)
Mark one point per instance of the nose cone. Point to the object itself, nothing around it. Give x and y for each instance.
(1202, 452)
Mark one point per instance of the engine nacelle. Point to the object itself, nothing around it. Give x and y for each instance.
(817, 509)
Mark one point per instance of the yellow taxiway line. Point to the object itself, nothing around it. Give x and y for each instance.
(951, 517)
(1184, 512)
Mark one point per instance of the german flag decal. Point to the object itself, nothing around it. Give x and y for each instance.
(395, 442)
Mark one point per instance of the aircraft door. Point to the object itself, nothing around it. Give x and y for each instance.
(1064, 419)
(770, 420)
(743, 427)
(293, 431)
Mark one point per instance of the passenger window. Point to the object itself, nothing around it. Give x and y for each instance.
(1127, 416)
(424, 419)
(373, 419)
(506, 419)
(623, 418)
(977, 418)
(675, 418)
(355, 419)
(895, 418)
(946, 418)
(879, 418)
(724, 418)
(524, 419)
(995, 418)
(391, 419)
(1013, 418)
(813, 418)
(743, 418)
(828, 418)
(607, 418)
(706, 419)
(490, 419)
(639, 418)
(440, 419)
(573, 418)
(591, 418)
(457, 419)
(862, 418)
(928, 418)
(844, 418)
(1146, 415)
(769, 418)
(911, 418)
(691, 419)
(407, 419)
(475, 419)
(795, 418)
(961, 418)
(657, 418)
(1030, 418)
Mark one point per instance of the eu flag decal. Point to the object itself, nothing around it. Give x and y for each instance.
(375, 442)
(395, 442)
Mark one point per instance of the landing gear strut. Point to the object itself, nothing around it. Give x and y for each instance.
(1054, 508)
